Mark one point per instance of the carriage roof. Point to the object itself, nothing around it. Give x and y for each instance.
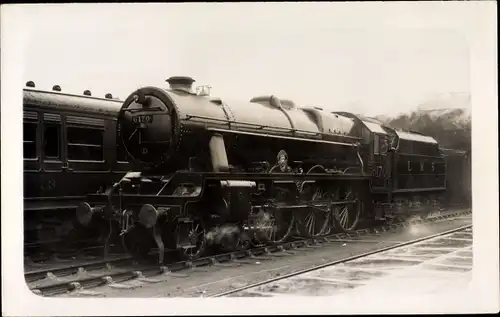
(69, 102)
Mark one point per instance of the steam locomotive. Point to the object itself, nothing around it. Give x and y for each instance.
(212, 172)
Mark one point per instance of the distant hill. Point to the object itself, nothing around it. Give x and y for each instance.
(447, 118)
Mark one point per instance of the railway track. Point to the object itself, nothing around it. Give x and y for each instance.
(120, 271)
(34, 250)
(442, 255)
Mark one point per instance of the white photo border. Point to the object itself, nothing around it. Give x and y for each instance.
(476, 20)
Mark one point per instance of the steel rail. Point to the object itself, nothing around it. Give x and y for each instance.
(262, 252)
(336, 262)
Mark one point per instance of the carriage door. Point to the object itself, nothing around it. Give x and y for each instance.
(52, 156)
(31, 153)
(86, 161)
(380, 161)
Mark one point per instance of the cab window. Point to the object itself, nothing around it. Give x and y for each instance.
(383, 145)
(376, 144)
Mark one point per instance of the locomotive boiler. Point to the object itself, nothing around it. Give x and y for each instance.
(230, 173)
(167, 130)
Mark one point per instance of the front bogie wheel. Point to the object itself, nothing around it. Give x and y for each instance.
(191, 238)
(138, 241)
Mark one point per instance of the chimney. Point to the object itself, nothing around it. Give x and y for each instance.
(181, 83)
(56, 88)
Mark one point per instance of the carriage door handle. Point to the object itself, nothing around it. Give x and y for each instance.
(66, 168)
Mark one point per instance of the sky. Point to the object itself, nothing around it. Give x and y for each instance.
(322, 55)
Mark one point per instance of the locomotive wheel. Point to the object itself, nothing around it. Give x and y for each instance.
(346, 217)
(276, 227)
(229, 242)
(316, 222)
(138, 242)
(191, 238)
(245, 241)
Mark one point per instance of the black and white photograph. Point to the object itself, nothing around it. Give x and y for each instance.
(313, 158)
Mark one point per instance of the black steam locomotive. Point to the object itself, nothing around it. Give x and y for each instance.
(212, 171)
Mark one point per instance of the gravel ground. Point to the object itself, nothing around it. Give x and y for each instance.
(211, 280)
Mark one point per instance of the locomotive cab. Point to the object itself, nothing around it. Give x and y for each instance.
(378, 152)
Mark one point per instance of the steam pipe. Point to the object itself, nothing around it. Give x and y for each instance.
(273, 100)
(360, 160)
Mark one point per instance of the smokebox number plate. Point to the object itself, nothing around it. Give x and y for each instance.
(142, 119)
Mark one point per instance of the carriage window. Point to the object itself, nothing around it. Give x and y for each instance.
(85, 144)
(52, 141)
(376, 142)
(29, 139)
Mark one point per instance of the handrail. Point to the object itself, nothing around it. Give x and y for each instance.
(261, 126)
(283, 137)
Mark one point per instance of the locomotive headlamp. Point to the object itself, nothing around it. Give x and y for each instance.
(148, 215)
(141, 99)
(84, 213)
